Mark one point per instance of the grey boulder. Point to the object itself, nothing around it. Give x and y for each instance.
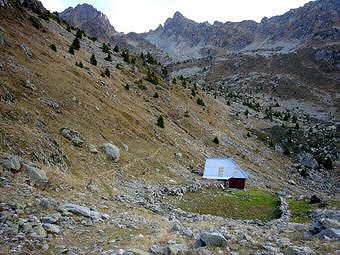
(38, 177)
(10, 163)
(112, 151)
(72, 136)
(81, 210)
(210, 239)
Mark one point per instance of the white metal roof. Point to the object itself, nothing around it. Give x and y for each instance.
(222, 169)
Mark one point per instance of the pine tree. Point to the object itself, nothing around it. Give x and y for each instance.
(79, 34)
(71, 50)
(116, 49)
(76, 44)
(93, 60)
(108, 58)
(160, 121)
(107, 72)
(216, 141)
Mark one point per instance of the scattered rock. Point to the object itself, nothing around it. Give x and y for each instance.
(38, 177)
(51, 228)
(26, 50)
(111, 151)
(10, 163)
(126, 147)
(178, 155)
(29, 85)
(295, 250)
(307, 160)
(51, 219)
(330, 234)
(40, 231)
(92, 149)
(210, 239)
(81, 210)
(72, 136)
(51, 103)
(292, 182)
(315, 199)
(48, 204)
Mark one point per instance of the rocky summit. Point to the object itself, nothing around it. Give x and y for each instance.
(104, 135)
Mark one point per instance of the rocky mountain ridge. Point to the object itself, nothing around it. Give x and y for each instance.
(87, 18)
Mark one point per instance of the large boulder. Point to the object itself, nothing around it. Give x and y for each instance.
(81, 210)
(38, 177)
(72, 136)
(210, 239)
(112, 151)
(295, 250)
(10, 163)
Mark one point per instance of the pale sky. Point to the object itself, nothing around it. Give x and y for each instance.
(143, 15)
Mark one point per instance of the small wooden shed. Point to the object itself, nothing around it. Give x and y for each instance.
(225, 169)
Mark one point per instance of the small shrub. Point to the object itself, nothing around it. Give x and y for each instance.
(286, 150)
(193, 92)
(71, 50)
(35, 22)
(93, 39)
(53, 47)
(156, 95)
(116, 49)
(304, 172)
(102, 74)
(328, 163)
(160, 121)
(127, 87)
(80, 64)
(79, 34)
(200, 102)
(246, 113)
(93, 60)
(216, 141)
(106, 48)
(107, 72)
(108, 58)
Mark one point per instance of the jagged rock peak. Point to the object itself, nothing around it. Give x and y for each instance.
(178, 16)
(88, 18)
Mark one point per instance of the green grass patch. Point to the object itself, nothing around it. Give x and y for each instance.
(300, 209)
(253, 204)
